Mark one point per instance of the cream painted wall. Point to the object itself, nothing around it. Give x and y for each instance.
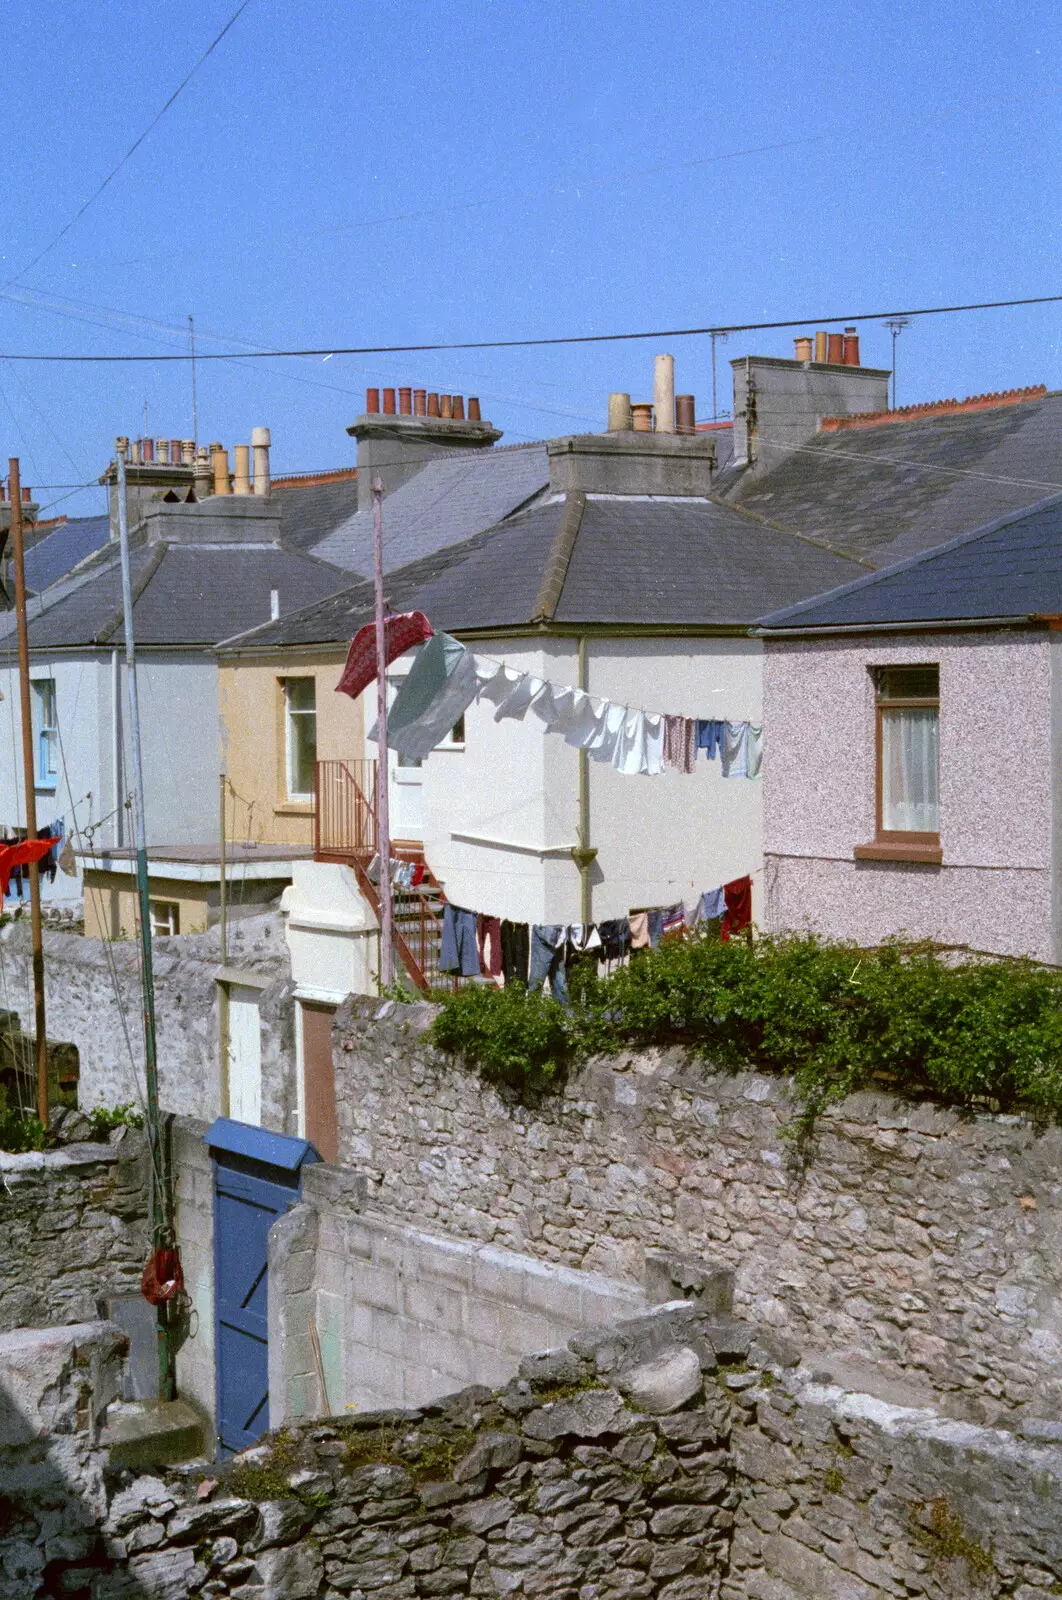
(994, 888)
(659, 839)
(251, 707)
(111, 907)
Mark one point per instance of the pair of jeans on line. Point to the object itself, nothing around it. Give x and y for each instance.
(548, 943)
(459, 952)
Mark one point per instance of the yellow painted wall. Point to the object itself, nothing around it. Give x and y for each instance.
(111, 908)
(251, 704)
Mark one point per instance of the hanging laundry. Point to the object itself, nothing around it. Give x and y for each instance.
(439, 687)
(512, 692)
(584, 936)
(20, 854)
(55, 831)
(602, 745)
(587, 720)
(516, 951)
(615, 935)
(674, 922)
(736, 750)
(709, 736)
(738, 897)
(458, 952)
(656, 926)
(754, 755)
(711, 907)
(640, 743)
(680, 743)
(639, 926)
(488, 935)
(401, 633)
(548, 941)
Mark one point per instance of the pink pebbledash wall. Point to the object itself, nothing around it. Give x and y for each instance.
(994, 890)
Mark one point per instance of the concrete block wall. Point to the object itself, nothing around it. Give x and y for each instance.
(402, 1315)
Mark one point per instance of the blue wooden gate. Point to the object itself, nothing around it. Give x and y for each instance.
(257, 1177)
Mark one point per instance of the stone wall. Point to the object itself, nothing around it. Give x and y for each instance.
(93, 997)
(668, 1457)
(916, 1238)
(73, 1229)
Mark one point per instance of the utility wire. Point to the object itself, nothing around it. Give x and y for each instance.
(566, 339)
(115, 170)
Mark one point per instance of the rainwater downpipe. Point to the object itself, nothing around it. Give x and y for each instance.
(584, 855)
(116, 749)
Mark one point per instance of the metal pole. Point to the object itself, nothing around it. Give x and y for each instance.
(383, 829)
(584, 855)
(161, 1220)
(41, 1041)
(223, 909)
(195, 406)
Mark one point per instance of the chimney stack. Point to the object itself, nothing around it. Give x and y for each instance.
(405, 402)
(802, 348)
(147, 448)
(473, 409)
(203, 480)
(685, 414)
(820, 345)
(835, 349)
(642, 416)
(420, 402)
(372, 401)
(389, 402)
(260, 442)
(446, 406)
(664, 393)
(433, 404)
(851, 348)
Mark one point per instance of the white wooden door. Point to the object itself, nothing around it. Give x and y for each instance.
(245, 1054)
(405, 789)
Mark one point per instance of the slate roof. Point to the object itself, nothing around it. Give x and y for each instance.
(635, 562)
(446, 501)
(896, 490)
(60, 551)
(1011, 569)
(310, 512)
(191, 595)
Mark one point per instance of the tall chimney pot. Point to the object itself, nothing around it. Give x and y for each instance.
(260, 442)
(188, 452)
(121, 445)
(242, 483)
(162, 450)
(619, 413)
(372, 400)
(175, 452)
(685, 413)
(664, 393)
(389, 402)
(446, 405)
(835, 348)
(27, 495)
(851, 347)
(642, 416)
(473, 409)
(433, 404)
(147, 446)
(221, 470)
(420, 402)
(203, 481)
(802, 348)
(459, 408)
(820, 345)
(405, 402)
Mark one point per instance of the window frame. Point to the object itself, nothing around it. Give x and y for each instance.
(291, 795)
(898, 844)
(44, 778)
(172, 919)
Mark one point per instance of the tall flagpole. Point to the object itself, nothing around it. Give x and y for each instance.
(41, 1043)
(161, 1219)
(383, 828)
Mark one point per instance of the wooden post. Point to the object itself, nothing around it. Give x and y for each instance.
(29, 781)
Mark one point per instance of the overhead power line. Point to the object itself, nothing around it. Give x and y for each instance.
(566, 339)
(133, 148)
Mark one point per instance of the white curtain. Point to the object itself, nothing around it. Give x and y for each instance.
(910, 797)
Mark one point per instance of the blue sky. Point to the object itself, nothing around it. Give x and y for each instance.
(371, 173)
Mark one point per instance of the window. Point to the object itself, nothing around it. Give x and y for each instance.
(455, 739)
(45, 734)
(165, 918)
(300, 730)
(907, 711)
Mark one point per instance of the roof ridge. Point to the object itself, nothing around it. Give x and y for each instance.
(305, 480)
(934, 408)
(117, 617)
(555, 571)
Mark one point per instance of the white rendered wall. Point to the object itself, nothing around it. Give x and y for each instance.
(659, 839)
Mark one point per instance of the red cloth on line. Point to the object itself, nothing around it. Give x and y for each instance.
(738, 914)
(162, 1278)
(488, 929)
(20, 855)
(401, 633)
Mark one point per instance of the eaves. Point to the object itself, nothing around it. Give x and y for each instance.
(928, 625)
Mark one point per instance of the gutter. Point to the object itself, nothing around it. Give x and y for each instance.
(963, 624)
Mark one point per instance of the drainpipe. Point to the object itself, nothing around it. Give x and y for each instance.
(116, 746)
(584, 854)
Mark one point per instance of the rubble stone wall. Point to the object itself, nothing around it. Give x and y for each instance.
(93, 997)
(73, 1228)
(914, 1236)
(668, 1457)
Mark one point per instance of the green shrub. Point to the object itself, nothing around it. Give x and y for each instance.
(831, 1017)
(523, 1041)
(104, 1119)
(19, 1131)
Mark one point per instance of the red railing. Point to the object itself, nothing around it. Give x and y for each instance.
(345, 830)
